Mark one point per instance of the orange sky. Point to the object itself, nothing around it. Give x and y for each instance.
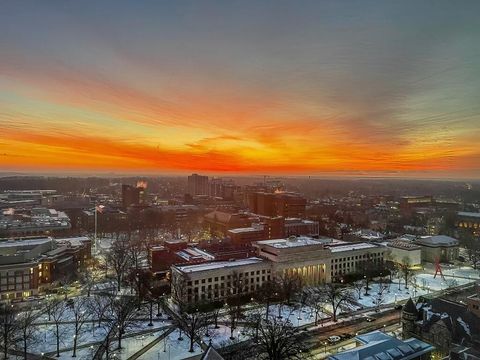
(247, 94)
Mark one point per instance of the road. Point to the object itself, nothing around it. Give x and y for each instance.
(315, 339)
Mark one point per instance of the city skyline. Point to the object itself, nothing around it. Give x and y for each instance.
(354, 88)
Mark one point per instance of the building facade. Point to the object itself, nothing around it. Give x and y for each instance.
(440, 247)
(218, 280)
(197, 185)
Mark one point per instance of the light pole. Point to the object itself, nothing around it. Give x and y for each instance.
(46, 327)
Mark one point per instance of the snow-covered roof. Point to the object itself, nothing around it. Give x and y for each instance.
(219, 265)
(469, 214)
(291, 242)
(380, 346)
(437, 240)
(24, 243)
(351, 246)
(246, 229)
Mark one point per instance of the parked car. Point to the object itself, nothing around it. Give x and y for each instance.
(334, 339)
(398, 307)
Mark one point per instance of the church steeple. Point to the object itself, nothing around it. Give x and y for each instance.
(409, 316)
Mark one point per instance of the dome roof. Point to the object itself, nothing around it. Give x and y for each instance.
(410, 307)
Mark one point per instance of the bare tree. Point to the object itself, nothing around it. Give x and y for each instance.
(195, 322)
(58, 309)
(278, 340)
(315, 300)
(234, 312)
(88, 280)
(406, 270)
(118, 259)
(337, 296)
(235, 301)
(254, 319)
(379, 297)
(121, 313)
(8, 328)
(267, 293)
(358, 287)
(26, 329)
(80, 316)
(290, 285)
(99, 306)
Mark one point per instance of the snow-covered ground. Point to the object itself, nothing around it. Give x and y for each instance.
(221, 337)
(391, 295)
(172, 349)
(297, 316)
(464, 271)
(45, 339)
(133, 344)
(422, 284)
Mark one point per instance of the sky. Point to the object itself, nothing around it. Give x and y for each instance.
(241, 87)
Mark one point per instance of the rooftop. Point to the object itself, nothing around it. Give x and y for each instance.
(378, 345)
(351, 246)
(219, 265)
(291, 242)
(469, 214)
(246, 229)
(437, 240)
(403, 244)
(24, 243)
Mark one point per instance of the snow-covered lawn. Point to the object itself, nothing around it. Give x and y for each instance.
(393, 293)
(133, 344)
(221, 337)
(464, 271)
(46, 340)
(428, 283)
(423, 284)
(172, 349)
(297, 316)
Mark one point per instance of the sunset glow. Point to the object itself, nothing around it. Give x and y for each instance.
(157, 88)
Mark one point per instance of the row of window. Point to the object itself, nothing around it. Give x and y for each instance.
(358, 257)
(222, 293)
(228, 277)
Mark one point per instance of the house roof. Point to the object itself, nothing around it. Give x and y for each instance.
(380, 346)
(211, 354)
(410, 307)
(461, 323)
(437, 240)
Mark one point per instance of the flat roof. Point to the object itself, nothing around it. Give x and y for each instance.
(219, 265)
(29, 242)
(293, 242)
(469, 214)
(246, 230)
(385, 347)
(404, 244)
(351, 246)
(437, 240)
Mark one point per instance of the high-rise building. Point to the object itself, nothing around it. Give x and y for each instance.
(288, 205)
(197, 184)
(133, 195)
